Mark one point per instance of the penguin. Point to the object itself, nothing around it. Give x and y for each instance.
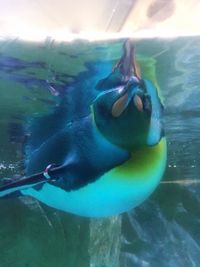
(108, 161)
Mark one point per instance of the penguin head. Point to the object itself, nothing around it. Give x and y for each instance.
(129, 114)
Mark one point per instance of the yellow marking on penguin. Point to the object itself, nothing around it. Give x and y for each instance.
(142, 161)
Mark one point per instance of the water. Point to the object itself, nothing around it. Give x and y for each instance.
(165, 230)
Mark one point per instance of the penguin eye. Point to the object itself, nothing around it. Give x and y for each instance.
(120, 105)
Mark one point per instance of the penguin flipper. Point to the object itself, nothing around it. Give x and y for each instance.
(82, 150)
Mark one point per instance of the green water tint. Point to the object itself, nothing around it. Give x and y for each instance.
(32, 235)
(18, 100)
(164, 231)
(169, 221)
(66, 59)
(63, 57)
(71, 239)
(29, 70)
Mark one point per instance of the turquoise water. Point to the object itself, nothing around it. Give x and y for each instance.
(165, 231)
(162, 232)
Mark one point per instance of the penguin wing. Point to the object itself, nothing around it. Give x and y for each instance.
(82, 150)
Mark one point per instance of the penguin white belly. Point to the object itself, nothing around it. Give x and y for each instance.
(115, 192)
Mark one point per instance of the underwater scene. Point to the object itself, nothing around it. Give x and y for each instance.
(48, 87)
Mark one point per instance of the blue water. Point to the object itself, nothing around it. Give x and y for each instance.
(165, 231)
(162, 232)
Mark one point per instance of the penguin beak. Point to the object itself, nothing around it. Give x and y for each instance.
(128, 65)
